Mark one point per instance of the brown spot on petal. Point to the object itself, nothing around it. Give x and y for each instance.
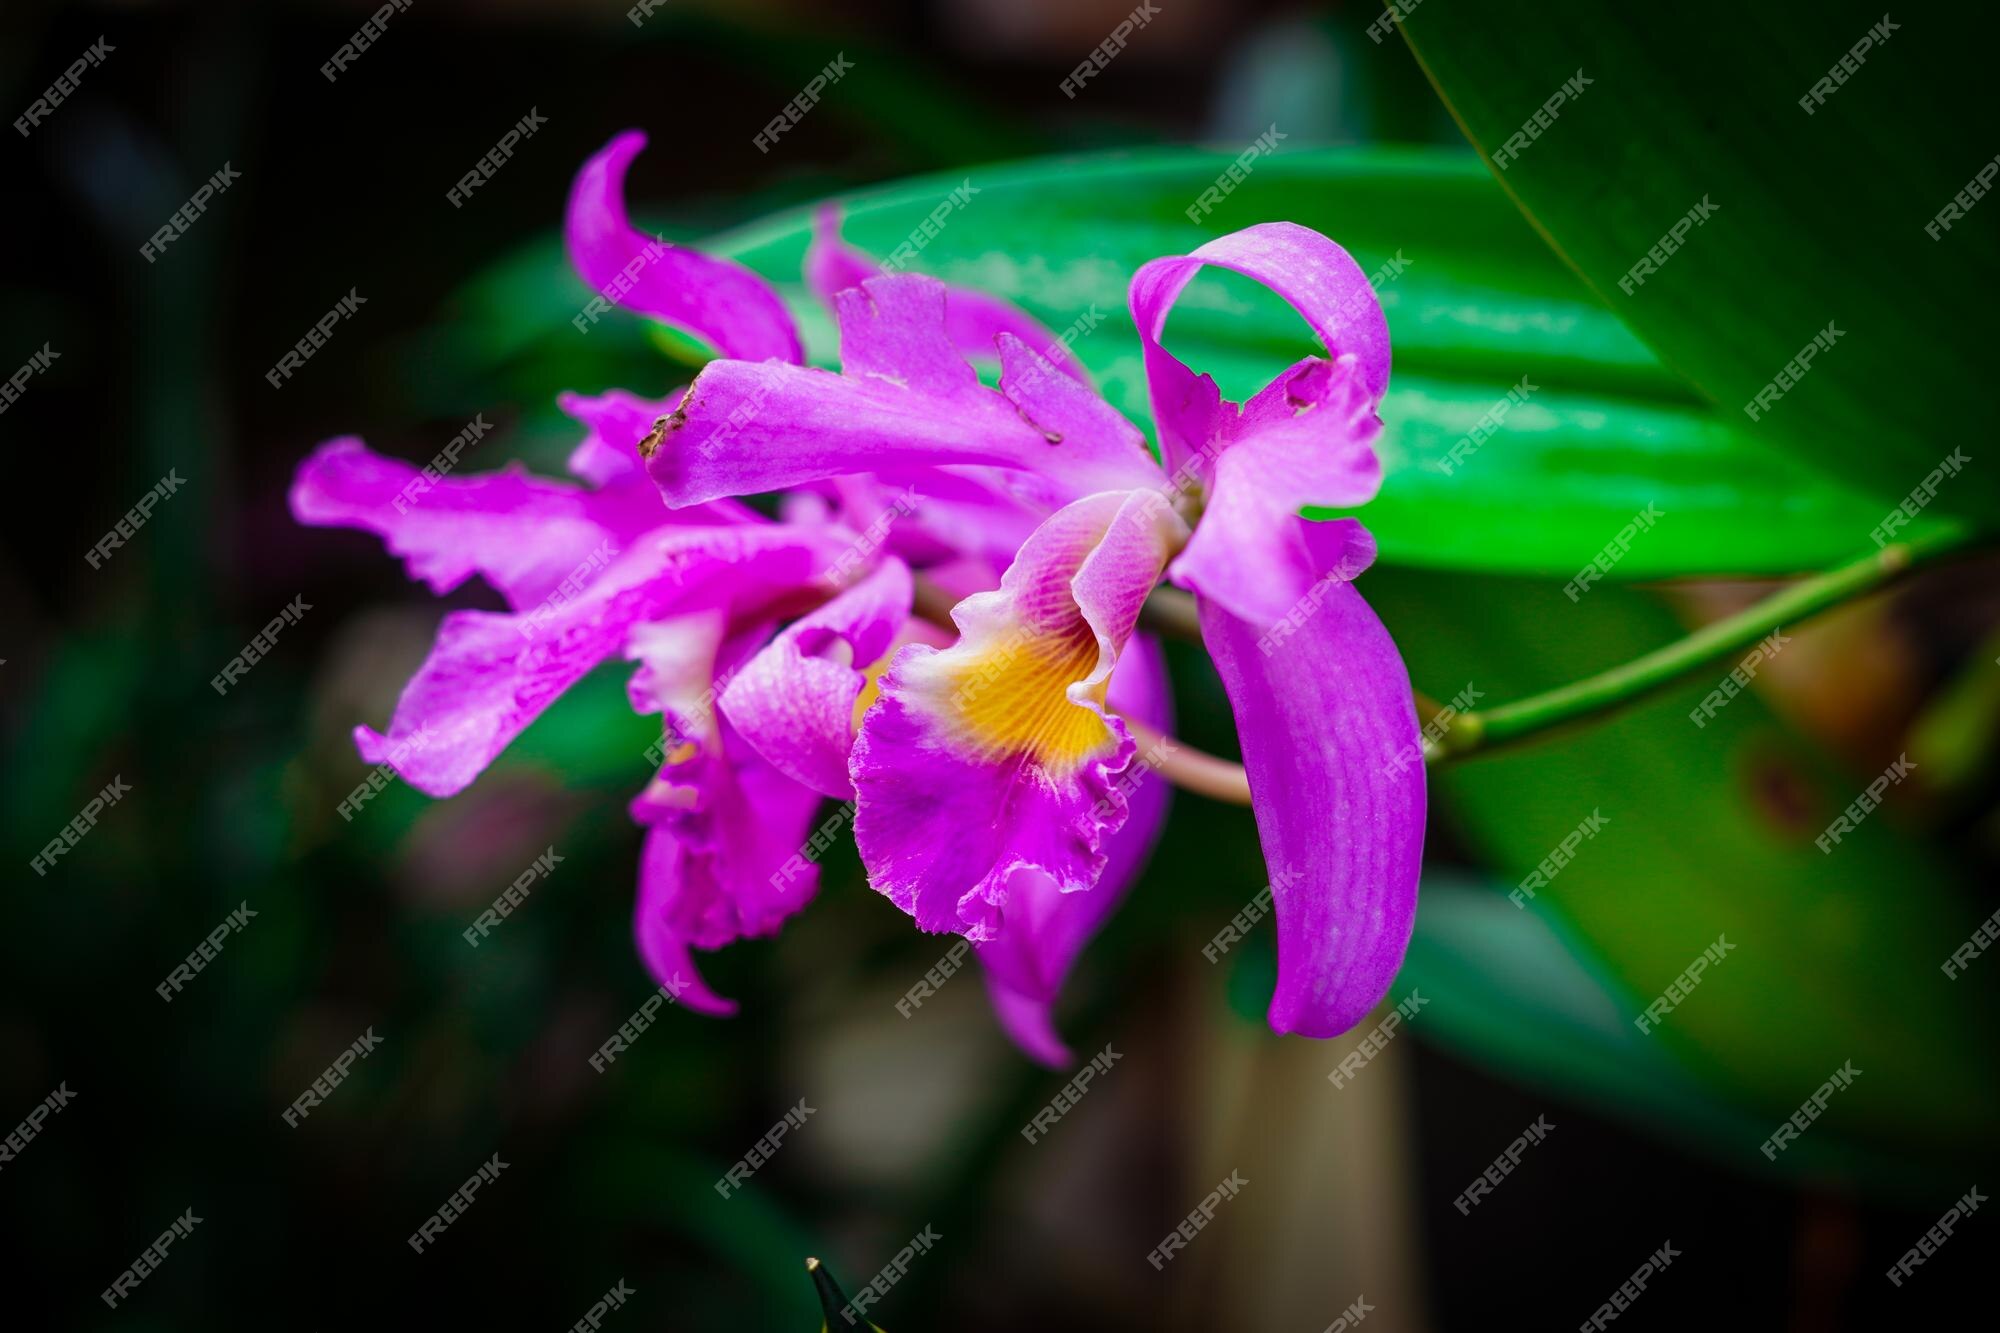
(673, 421)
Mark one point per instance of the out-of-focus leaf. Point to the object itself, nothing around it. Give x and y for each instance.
(750, 1233)
(1716, 101)
(73, 715)
(1479, 306)
(1710, 833)
(1958, 732)
(599, 740)
(1519, 993)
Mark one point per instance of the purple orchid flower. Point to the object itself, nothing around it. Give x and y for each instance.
(693, 595)
(992, 771)
(993, 764)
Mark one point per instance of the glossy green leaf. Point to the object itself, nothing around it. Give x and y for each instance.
(1478, 307)
(1825, 183)
(1710, 833)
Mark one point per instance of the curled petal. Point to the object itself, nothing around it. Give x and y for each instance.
(1251, 551)
(489, 675)
(739, 824)
(973, 320)
(679, 663)
(723, 302)
(1315, 276)
(794, 702)
(905, 405)
(722, 824)
(996, 755)
(522, 533)
(662, 873)
(1330, 740)
(1042, 929)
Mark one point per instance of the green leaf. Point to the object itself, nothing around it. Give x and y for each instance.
(1478, 305)
(1818, 218)
(1710, 832)
(1521, 993)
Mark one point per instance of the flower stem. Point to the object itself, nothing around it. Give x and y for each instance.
(1190, 769)
(1482, 730)
(1170, 612)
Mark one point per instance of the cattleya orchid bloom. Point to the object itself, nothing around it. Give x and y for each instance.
(992, 763)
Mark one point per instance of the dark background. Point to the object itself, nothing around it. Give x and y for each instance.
(178, 1106)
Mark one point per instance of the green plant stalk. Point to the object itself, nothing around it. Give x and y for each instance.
(1171, 613)
(1482, 730)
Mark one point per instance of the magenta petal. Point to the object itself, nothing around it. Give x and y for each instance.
(1029, 1023)
(679, 661)
(996, 756)
(740, 825)
(721, 858)
(1071, 415)
(1326, 720)
(523, 533)
(609, 455)
(666, 953)
(832, 265)
(973, 320)
(615, 421)
(1042, 929)
(489, 675)
(963, 513)
(794, 702)
(905, 403)
(1319, 280)
(1251, 551)
(761, 820)
(720, 301)
(977, 322)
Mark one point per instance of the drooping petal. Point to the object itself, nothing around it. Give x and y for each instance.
(1327, 726)
(662, 873)
(489, 675)
(996, 755)
(1315, 276)
(720, 301)
(1306, 439)
(722, 824)
(1028, 1022)
(523, 533)
(1042, 929)
(905, 405)
(794, 702)
(973, 320)
(740, 824)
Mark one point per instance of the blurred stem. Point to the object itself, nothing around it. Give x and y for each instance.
(1170, 613)
(1489, 729)
(1188, 768)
